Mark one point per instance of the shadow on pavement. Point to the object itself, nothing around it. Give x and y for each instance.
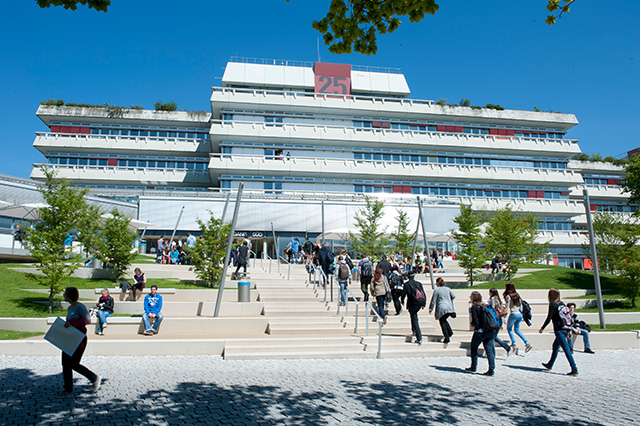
(30, 398)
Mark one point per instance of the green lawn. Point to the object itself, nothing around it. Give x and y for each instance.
(558, 277)
(15, 335)
(616, 327)
(18, 303)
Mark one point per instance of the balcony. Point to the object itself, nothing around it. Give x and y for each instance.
(132, 145)
(127, 176)
(220, 164)
(373, 106)
(242, 131)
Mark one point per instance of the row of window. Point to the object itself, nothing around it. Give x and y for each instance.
(367, 124)
(599, 181)
(151, 133)
(461, 160)
(114, 162)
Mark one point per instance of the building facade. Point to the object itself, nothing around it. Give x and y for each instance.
(297, 134)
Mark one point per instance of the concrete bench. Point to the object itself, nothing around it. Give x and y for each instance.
(146, 290)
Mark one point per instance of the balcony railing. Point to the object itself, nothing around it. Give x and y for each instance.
(402, 132)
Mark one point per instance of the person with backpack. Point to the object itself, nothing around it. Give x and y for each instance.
(442, 302)
(501, 310)
(513, 302)
(379, 288)
(365, 269)
(416, 300)
(342, 274)
(326, 258)
(560, 315)
(483, 332)
(579, 328)
(396, 282)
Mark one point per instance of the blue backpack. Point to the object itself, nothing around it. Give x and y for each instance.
(490, 317)
(366, 269)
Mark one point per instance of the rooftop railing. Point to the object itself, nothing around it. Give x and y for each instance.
(308, 64)
(153, 139)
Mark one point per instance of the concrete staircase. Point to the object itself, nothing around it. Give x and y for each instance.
(290, 319)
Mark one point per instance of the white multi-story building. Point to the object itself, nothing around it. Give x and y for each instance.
(298, 133)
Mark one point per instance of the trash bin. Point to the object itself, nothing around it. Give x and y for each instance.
(142, 248)
(244, 291)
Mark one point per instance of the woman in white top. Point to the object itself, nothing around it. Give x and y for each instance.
(512, 300)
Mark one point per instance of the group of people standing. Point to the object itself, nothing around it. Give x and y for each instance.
(174, 252)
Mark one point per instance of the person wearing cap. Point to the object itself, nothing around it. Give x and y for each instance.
(412, 290)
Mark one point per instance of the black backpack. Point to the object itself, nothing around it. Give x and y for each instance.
(367, 269)
(490, 318)
(526, 310)
(396, 281)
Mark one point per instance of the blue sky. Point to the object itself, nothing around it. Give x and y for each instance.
(488, 51)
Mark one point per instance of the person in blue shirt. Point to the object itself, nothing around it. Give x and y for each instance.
(152, 308)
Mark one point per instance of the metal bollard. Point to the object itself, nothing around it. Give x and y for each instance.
(244, 291)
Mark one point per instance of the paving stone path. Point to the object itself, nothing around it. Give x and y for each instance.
(205, 390)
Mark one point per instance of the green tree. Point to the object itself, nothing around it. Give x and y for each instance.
(513, 236)
(89, 227)
(208, 255)
(66, 208)
(557, 9)
(606, 233)
(402, 237)
(115, 243)
(631, 182)
(471, 255)
(99, 5)
(371, 239)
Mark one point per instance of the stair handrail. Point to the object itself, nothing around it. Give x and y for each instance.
(369, 307)
(289, 267)
(326, 282)
(346, 309)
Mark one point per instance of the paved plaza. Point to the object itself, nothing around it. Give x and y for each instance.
(185, 390)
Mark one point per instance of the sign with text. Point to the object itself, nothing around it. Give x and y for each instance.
(332, 78)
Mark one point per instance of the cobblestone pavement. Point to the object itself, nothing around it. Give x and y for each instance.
(185, 390)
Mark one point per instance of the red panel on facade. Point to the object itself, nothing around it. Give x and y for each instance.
(74, 129)
(611, 182)
(398, 189)
(55, 129)
(85, 130)
(459, 129)
(407, 190)
(441, 128)
(532, 194)
(65, 129)
(376, 124)
(385, 125)
(493, 132)
(112, 162)
(511, 132)
(593, 207)
(332, 78)
(540, 194)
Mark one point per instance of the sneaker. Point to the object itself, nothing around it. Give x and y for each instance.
(96, 384)
(572, 373)
(589, 351)
(547, 365)
(384, 321)
(528, 347)
(514, 349)
(508, 350)
(489, 373)
(105, 325)
(148, 332)
(471, 369)
(99, 333)
(419, 342)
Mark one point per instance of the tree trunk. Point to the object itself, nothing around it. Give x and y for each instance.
(51, 301)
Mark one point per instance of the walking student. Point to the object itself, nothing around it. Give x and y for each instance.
(379, 289)
(78, 317)
(365, 269)
(513, 302)
(416, 300)
(442, 302)
(342, 274)
(481, 335)
(496, 303)
(396, 281)
(561, 318)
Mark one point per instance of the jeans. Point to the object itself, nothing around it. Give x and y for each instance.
(380, 302)
(486, 338)
(364, 286)
(562, 340)
(499, 340)
(71, 364)
(447, 332)
(415, 325)
(102, 319)
(343, 291)
(156, 324)
(514, 320)
(585, 336)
